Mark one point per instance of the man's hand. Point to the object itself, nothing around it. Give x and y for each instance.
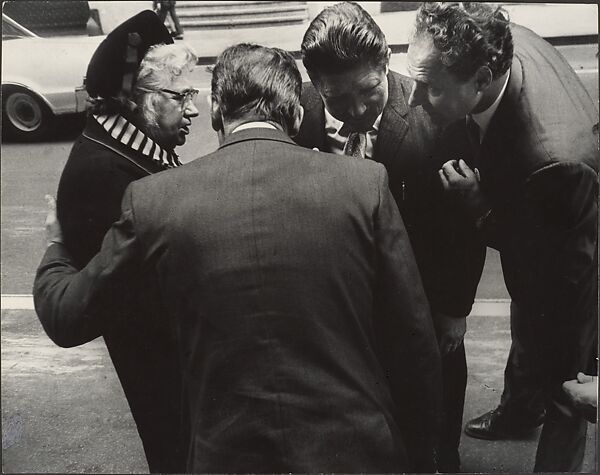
(458, 178)
(53, 230)
(450, 332)
(583, 393)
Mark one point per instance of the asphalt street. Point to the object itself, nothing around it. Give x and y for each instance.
(64, 410)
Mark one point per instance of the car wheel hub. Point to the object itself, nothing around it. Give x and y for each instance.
(23, 112)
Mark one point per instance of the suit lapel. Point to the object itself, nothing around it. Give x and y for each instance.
(393, 126)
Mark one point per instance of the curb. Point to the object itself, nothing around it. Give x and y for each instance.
(402, 48)
(481, 307)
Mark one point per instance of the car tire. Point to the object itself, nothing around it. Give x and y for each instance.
(25, 117)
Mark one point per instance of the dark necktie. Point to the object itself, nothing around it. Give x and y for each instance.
(474, 139)
(356, 145)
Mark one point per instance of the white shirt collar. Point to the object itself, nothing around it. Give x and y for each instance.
(336, 140)
(331, 123)
(129, 135)
(484, 118)
(258, 124)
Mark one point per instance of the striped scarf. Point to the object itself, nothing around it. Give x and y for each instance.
(129, 135)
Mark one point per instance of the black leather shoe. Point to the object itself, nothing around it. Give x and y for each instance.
(495, 425)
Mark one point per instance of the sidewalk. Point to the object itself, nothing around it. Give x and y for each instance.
(550, 21)
(63, 410)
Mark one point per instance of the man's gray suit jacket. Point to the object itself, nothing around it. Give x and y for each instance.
(305, 337)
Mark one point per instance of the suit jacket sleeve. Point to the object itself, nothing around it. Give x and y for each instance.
(450, 253)
(556, 235)
(403, 323)
(73, 306)
(456, 248)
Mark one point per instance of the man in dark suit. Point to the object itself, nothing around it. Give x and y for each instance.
(354, 99)
(132, 130)
(302, 327)
(524, 127)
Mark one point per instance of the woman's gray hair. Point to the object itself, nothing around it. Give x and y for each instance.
(162, 65)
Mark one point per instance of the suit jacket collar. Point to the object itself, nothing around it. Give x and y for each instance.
(95, 132)
(393, 126)
(313, 125)
(257, 134)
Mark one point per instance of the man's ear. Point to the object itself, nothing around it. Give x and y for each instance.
(297, 122)
(314, 79)
(483, 78)
(387, 64)
(216, 118)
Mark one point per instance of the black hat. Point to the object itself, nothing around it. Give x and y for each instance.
(116, 60)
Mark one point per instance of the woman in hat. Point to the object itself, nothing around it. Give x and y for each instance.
(142, 105)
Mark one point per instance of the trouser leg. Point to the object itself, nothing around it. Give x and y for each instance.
(561, 447)
(176, 24)
(548, 362)
(454, 381)
(522, 399)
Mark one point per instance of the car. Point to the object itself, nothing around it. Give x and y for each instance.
(42, 79)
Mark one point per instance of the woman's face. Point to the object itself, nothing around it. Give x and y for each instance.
(174, 111)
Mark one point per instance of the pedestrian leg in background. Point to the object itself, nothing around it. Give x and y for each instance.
(521, 407)
(178, 33)
(161, 11)
(454, 380)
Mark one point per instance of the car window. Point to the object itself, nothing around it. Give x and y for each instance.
(11, 29)
(9, 32)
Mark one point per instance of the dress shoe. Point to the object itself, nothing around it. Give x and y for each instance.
(494, 425)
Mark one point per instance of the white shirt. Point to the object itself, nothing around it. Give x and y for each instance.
(484, 118)
(337, 141)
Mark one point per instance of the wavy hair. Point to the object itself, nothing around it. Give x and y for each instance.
(162, 65)
(257, 81)
(342, 37)
(468, 35)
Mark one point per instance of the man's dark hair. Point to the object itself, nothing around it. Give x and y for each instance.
(342, 37)
(468, 36)
(254, 80)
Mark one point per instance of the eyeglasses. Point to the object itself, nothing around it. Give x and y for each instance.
(183, 97)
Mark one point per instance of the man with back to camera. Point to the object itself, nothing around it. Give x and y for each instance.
(356, 106)
(141, 92)
(522, 125)
(288, 276)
